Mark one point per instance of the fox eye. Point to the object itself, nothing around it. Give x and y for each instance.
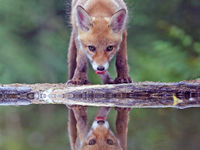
(92, 142)
(110, 142)
(109, 48)
(91, 48)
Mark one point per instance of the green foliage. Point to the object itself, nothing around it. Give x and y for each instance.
(163, 45)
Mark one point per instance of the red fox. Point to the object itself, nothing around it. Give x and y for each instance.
(98, 33)
(99, 137)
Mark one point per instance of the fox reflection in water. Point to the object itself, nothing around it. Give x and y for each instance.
(99, 136)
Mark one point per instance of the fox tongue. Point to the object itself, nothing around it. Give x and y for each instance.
(100, 118)
(100, 72)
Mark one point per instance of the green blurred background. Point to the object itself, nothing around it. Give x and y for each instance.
(163, 45)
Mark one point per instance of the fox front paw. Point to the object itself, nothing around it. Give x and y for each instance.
(78, 109)
(77, 82)
(119, 80)
(125, 110)
(123, 113)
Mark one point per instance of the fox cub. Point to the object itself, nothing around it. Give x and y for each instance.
(98, 33)
(99, 137)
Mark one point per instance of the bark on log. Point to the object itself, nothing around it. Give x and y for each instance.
(135, 95)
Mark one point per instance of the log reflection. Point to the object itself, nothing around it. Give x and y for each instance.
(134, 95)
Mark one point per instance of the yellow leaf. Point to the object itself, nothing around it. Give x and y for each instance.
(176, 100)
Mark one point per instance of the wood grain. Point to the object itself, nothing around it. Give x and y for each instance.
(134, 95)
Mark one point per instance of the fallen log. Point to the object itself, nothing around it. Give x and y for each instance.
(134, 95)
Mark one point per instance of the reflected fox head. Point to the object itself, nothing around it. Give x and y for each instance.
(100, 37)
(100, 137)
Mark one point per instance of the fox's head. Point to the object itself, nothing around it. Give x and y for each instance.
(100, 137)
(100, 37)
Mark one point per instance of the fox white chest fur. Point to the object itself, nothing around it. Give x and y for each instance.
(99, 33)
(99, 136)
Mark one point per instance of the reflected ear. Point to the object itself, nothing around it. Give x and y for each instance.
(118, 20)
(83, 18)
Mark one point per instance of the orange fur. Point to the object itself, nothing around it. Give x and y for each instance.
(99, 136)
(97, 23)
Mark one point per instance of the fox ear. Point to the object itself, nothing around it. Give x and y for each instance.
(118, 20)
(84, 20)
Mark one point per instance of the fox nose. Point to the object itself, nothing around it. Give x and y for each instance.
(100, 122)
(100, 68)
